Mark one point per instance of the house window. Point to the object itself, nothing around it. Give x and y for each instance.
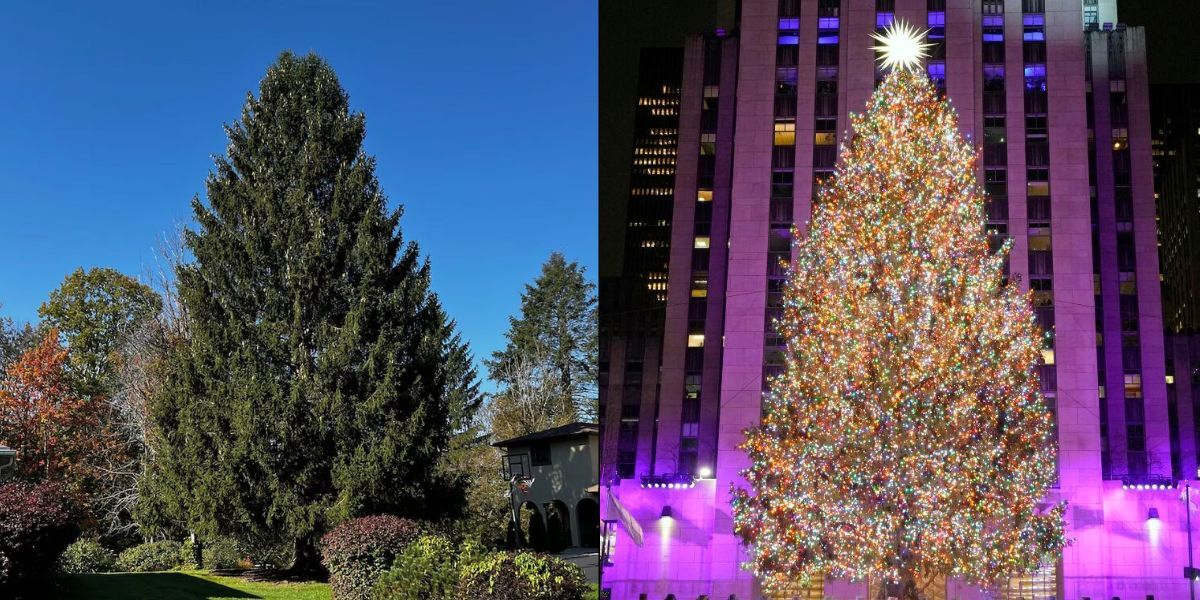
(539, 454)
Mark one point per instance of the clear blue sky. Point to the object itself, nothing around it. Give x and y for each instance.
(482, 116)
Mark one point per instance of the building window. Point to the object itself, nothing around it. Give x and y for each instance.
(1035, 78)
(626, 460)
(1133, 385)
(785, 133)
(696, 340)
(539, 454)
(937, 72)
(789, 31)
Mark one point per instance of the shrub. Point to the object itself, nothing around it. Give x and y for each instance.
(358, 551)
(268, 555)
(86, 556)
(151, 556)
(188, 558)
(427, 570)
(223, 553)
(521, 576)
(36, 525)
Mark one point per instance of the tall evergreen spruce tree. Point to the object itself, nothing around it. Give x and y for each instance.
(323, 375)
(558, 322)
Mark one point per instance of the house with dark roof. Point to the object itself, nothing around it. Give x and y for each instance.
(554, 477)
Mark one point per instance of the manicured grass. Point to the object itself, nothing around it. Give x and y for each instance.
(181, 585)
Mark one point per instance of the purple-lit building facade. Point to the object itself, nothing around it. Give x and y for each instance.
(1055, 94)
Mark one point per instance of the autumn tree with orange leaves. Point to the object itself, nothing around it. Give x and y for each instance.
(59, 433)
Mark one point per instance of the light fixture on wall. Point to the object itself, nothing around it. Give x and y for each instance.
(704, 472)
(677, 481)
(1153, 516)
(666, 512)
(1148, 482)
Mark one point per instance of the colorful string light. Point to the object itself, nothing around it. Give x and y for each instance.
(908, 438)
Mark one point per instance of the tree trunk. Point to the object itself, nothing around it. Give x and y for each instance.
(305, 558)
(905, 589)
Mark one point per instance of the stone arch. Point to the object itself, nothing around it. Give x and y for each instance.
(533, 527)
(587, 514)
(558, 526)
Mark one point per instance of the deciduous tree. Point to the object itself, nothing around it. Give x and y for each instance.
(95, 310)
(59, 432)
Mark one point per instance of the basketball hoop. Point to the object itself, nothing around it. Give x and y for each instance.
(522, 483)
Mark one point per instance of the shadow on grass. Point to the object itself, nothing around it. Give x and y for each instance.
(143, 586)
(274, 575)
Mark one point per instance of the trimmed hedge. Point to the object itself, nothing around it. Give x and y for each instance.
(151, 556)
(86, 556)
(37, 523)
(358, 551)
(521, 576)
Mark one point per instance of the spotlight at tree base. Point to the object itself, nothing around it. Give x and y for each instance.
(908, 436)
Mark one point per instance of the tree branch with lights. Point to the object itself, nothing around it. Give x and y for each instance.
(908, 438)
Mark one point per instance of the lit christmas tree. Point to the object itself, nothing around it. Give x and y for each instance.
(908, 438)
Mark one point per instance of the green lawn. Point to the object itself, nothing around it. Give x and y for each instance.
(181, 585)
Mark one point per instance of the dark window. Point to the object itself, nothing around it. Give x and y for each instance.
(824, 156)
(1037, 154)
(1041, 263)
(997, 208)
(787, 56)
(539, 454)
(995, 155)
(993, 52)
(1035, 100)
(1039, 208)
(626, 459)
(993, 103)
(827, 56)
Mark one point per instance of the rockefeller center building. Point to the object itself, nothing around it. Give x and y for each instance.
(734, 133)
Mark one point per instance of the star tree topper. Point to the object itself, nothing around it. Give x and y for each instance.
(902, 46)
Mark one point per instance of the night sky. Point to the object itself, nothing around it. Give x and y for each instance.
(627, 25)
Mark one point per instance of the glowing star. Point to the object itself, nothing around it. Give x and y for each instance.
(902, 46)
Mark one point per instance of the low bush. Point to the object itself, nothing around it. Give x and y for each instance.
(223, 553)
(521, 576)
(189, 556)
(358, 551)
(151, 556)
(37, 523)
(86, 556)
(270, 556)
(428, 569)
